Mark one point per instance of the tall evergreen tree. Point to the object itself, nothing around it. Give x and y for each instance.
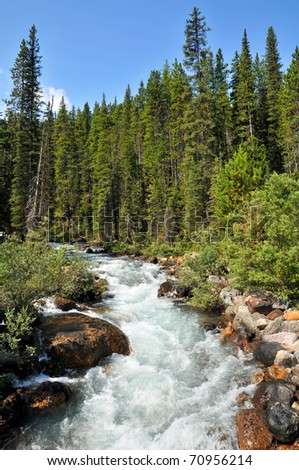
(199, 122)
(25, 104)
(261, 116)
(43, 199)
(244, 94)
(5, 175)
(289, 116)
(273, 81)
(222, 113)
(101, 159)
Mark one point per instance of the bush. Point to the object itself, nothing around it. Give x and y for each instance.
(268, 256)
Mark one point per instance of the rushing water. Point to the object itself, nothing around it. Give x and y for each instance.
(177, 389)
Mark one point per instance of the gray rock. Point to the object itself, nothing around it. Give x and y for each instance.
(283, 422)
(262, 323)
(291, 326)
(266, 352)
(285, 359)
(296, 346)
(243, 319)
(280, 304)
(274, 327)
(284, 338)
(228, 294)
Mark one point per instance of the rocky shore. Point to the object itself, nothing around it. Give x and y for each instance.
(267, 329)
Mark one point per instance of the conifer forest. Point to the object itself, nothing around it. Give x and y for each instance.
(183, 161)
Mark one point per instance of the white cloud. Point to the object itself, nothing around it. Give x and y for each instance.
(1, 71)
(56, 94)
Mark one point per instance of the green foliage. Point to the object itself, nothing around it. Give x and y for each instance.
(234, 181)
(18, 324)
(195, 271)
(268, 257)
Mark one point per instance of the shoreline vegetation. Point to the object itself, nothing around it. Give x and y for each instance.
(199, 172)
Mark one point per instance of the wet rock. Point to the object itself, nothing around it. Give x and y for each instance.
(272, 391)
(284, 359)
(275, 314)
(166, 289)
(64, 304)
(19, 365)
(291, 315)
(266, 352)
(47, 398)
(283, 422)
(260, 302)
(274, 327)
(252, 431)
(77, 341)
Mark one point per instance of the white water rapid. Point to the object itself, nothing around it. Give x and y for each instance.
(177, 389)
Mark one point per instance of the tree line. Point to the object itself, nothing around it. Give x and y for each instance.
(185, 151)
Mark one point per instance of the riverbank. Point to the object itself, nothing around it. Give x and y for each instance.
(267, 329)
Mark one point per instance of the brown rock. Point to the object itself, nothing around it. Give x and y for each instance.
(260, 302)
(79, 341)
(252, 431)
(64, 304)
(275, 314)
(291, 315)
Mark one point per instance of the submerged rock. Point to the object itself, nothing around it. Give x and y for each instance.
(78, 341)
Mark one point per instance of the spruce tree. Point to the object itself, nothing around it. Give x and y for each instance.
(25, 105)
(244, 94)
(289, 116)
(199, 122)
(273, 82)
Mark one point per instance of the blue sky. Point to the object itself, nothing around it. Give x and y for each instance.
(91, 47)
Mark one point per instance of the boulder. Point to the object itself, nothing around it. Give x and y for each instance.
(280, 303)
(291, 326)
(76, 341)
(47, 398)
(285, 359)
(274, 327)
(275, 314)
(284, 338)
(166, 289)
(252, 431)
(291, 315)
(283, 422)
(260, 302)
(64, 304)
(266, 352)
(228, 295)
(243, 319)
(272, 391)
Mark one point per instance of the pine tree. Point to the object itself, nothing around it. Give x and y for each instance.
(5, 175)
(101, 158)
(156, 151)
(244, 94)
(42, 201)
(273, 82)
(261, 118)
(25, 104)
(65, 172)
(223, 112)
(199, 123)
(289, 116)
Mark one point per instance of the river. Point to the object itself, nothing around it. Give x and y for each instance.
(177, 389)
